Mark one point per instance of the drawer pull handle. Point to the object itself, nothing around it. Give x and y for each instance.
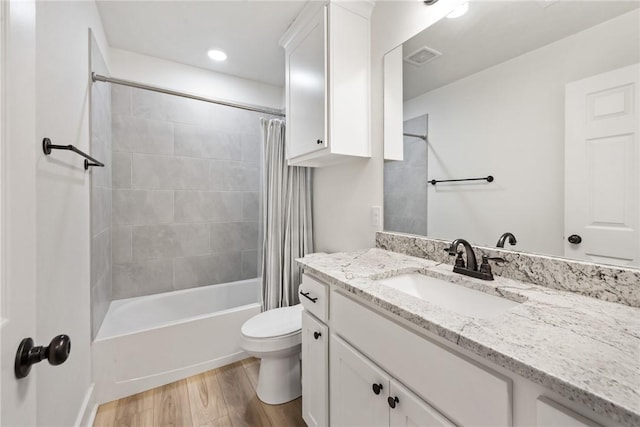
(317, 335)
(306, 295)
(377, 388)
(392, 401)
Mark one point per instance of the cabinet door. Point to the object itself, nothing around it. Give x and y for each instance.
(306, 113)
(410, 410)
(353, 401)
(315, 371)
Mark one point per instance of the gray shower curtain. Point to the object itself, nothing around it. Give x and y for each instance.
(287, 223)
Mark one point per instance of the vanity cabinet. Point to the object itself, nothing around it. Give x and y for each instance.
(363, 394)
(327, 68)
(314, 297)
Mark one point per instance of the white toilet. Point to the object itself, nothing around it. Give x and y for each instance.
(275, 337)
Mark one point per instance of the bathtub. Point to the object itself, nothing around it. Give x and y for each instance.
(149, 341)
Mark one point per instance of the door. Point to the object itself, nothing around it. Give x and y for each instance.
(315, 371)
(358, 388)
(411, 411)
(306, 81)
(602, 162)
(17, 206)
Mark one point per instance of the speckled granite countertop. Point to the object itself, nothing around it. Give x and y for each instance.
(582, 348)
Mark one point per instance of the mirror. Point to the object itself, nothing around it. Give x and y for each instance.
(541, 96)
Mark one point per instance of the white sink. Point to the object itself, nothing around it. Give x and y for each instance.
(450, 296)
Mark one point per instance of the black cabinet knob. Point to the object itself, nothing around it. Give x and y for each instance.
(377, 388)
(574, 239)
(392, 401)
(317, 335)
(57, 352)
(319, 141)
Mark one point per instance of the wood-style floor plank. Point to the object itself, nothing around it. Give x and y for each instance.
(223, 397)
(243, 406)
(171, 407)
(205, 398)
(106, 415)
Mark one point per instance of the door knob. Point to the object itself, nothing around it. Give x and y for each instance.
(574, 239)
(56, 352)
(317, 335)
(377, 388)
(392, 401)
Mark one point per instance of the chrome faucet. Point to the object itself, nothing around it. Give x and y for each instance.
(471, 268)
(503, 239)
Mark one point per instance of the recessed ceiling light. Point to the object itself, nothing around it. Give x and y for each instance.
(217, 55)
(459, 11)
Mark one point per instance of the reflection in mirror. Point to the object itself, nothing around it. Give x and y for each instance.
(543, 96)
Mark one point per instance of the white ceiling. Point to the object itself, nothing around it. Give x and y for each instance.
(183, 31)
(492, 32)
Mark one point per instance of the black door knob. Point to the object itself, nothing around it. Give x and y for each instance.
(377, 388)
(392, 401)
(317, 335)
(57, 352)
(574, 239)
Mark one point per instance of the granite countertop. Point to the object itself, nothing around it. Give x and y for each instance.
(584, 349)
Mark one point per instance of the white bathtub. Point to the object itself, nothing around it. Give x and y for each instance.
(149, 341)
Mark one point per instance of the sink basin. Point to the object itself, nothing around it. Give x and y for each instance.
(450, 296)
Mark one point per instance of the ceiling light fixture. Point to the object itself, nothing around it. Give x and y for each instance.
(217, 55)
(459, 11)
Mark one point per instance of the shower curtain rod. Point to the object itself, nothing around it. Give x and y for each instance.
(99, 78)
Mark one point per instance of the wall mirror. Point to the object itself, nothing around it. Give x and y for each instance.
(543, 97)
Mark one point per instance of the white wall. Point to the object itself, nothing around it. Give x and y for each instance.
(508, 121)
(62, 227)
(344, 194)
(172, 75)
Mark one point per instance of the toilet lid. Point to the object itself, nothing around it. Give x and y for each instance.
(274, 323)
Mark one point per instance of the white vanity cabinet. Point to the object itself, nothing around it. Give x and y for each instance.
(327, 66)
(363, 394)
(314, 297)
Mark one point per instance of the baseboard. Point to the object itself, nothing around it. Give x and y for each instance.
(88, 409)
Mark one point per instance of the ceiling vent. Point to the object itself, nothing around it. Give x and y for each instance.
(422, 56)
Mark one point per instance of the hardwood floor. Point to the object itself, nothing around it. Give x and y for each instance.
(219, 398)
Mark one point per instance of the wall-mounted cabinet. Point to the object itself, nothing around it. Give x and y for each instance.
(327, 51)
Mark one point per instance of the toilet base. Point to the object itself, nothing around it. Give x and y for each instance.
(279, 380)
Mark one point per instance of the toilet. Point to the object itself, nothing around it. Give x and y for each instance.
(275, 337)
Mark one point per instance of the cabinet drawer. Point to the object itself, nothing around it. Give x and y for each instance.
(463, 391)
(552, 414)
(314, 296)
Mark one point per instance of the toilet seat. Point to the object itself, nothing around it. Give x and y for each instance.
(276, 323)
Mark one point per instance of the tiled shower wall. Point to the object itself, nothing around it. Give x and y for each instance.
(405, 183)
(186, 181)
(101, 273)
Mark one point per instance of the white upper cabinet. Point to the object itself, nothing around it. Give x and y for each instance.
(327, 83)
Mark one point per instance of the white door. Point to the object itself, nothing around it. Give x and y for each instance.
(18, 146)
(315, 371)
(602, 162)
(411, 411)
(358, 388)
(306, 112)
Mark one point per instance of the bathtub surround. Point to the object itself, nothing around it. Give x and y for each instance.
(101, 248)
(608, 283)
(405, 183)
(287, 217)
(186, 183)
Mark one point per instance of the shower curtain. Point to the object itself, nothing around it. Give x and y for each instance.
(287, 223)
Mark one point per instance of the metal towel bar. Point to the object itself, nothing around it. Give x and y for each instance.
(486, 178)
(47, 146)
